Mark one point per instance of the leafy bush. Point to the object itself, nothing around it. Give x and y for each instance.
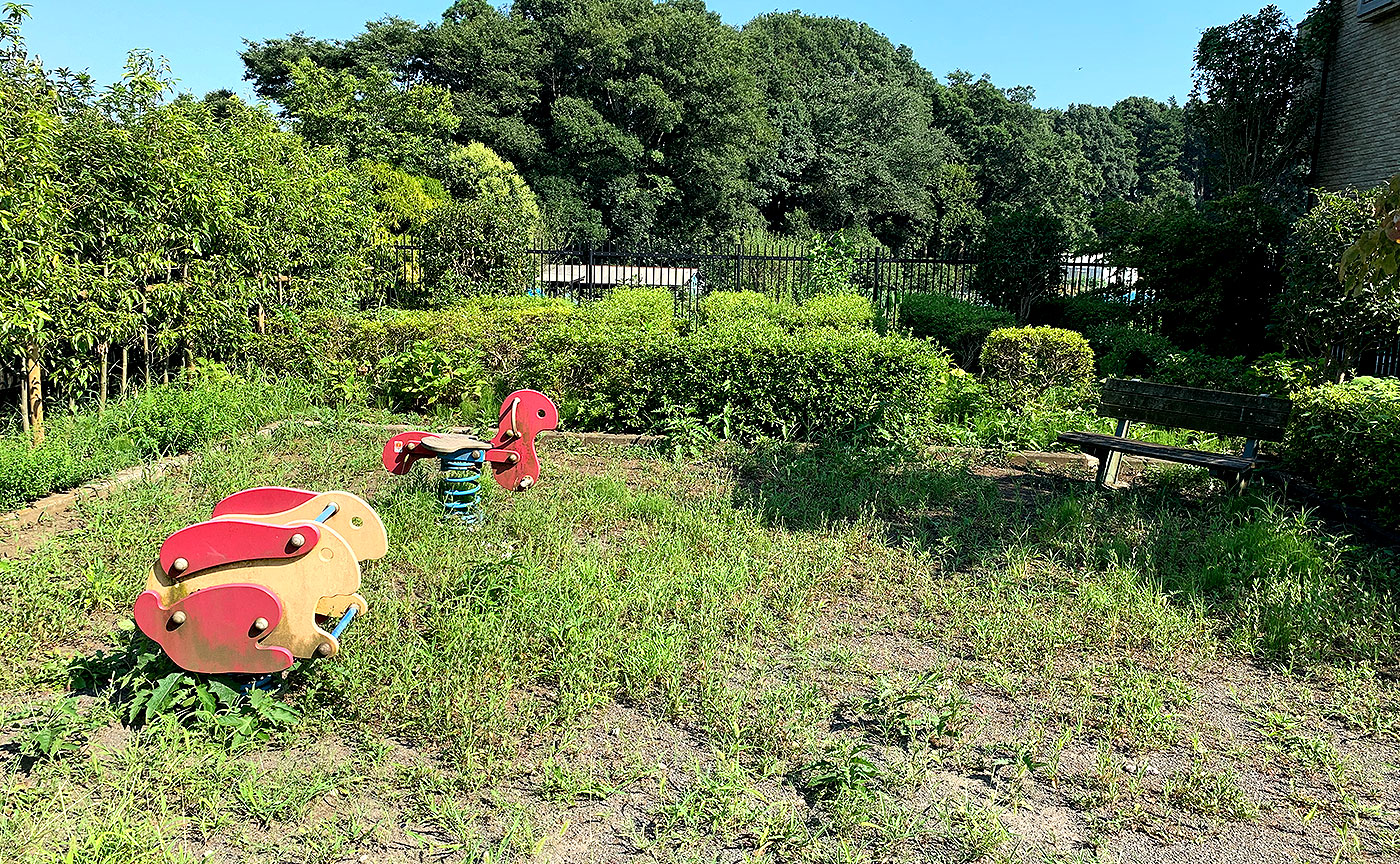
(838, 311)
(749, 382)
(956, 324)
(477, 244)
(1084, 312)
(1346, 438)
(424, 378)
(1020, 260)
(1025, 362)
(1212, 274)
(1128, 352)
(631, 312)
(722, 309)
(1315, 315)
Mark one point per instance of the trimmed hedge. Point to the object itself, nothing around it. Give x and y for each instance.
(752, 381)
(1346, 438)
(754, 367)
(956, 324)
(1028, 361)
(846, 312)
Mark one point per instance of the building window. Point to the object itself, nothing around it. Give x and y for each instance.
(1370, 10)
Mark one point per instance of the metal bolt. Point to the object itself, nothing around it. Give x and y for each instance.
(526, 482)
(260, 624)
(298, 541)
(324, 649)
(179, 617)
(179, 565)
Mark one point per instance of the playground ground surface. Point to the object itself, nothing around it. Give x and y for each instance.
(788, 654)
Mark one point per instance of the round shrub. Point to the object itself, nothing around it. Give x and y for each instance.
(956, 324)
(1028, 361)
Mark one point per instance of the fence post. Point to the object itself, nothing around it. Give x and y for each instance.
(875, 297)
(738, 266)
(588, 281)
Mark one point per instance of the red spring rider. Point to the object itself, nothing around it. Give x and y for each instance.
(511, 454)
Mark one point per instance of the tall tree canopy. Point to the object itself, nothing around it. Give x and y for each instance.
(1254, 102)
(627, 114)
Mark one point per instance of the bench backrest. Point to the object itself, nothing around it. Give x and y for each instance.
(1239, 414)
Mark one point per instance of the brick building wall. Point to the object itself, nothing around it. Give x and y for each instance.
(1359, 134)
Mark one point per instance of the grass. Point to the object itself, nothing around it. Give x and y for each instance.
(831, 654)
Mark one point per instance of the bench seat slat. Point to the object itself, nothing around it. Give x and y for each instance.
(1194, 394)
(1242, 414)
(1094, 441)
(1248, 428)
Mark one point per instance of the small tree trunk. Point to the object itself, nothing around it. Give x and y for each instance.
(126, 361)
(104, 371)
(34, 374)
(24, 396)
(189, 359)
(146, 340)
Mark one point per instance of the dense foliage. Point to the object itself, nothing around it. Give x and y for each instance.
(959, 325)
(637, 121)
(1345, 437)
(1315, 316)
(1028, 361)
(754, 367)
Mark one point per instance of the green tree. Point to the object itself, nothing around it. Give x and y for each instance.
(854, 142)
(476, 243)
(1110, 148)
(1254, 103)
(1020, 162)
(1159, 133)
(32, 244)
(1314, 316)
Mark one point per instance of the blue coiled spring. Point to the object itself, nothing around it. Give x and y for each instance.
(461, 485)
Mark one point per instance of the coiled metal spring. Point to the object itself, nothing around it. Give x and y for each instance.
(461, 486)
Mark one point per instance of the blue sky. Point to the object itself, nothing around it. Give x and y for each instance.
(1090, 51)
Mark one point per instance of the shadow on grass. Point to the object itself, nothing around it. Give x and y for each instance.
(1284, 587)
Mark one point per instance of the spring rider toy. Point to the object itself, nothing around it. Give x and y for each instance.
(524, 414)
(272, 576)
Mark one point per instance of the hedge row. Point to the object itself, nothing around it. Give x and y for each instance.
(1346, 438)
(753, 367)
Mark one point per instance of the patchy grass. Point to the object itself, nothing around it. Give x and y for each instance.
(838, 654)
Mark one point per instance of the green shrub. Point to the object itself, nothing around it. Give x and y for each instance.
(745, 308)
(1084, 312)
(631, 312)
(1346, 438)
(956, 324)
(720, 308)
(1025, 362)
(424, 378)
(1315, 315)
(748, 382)
(1127, 352)
(837, 311)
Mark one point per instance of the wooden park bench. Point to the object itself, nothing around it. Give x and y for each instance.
(1254, 418)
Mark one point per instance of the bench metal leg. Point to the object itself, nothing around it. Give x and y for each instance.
(1111, 460)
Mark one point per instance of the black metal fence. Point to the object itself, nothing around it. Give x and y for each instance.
(775, 268)
(784, 269)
